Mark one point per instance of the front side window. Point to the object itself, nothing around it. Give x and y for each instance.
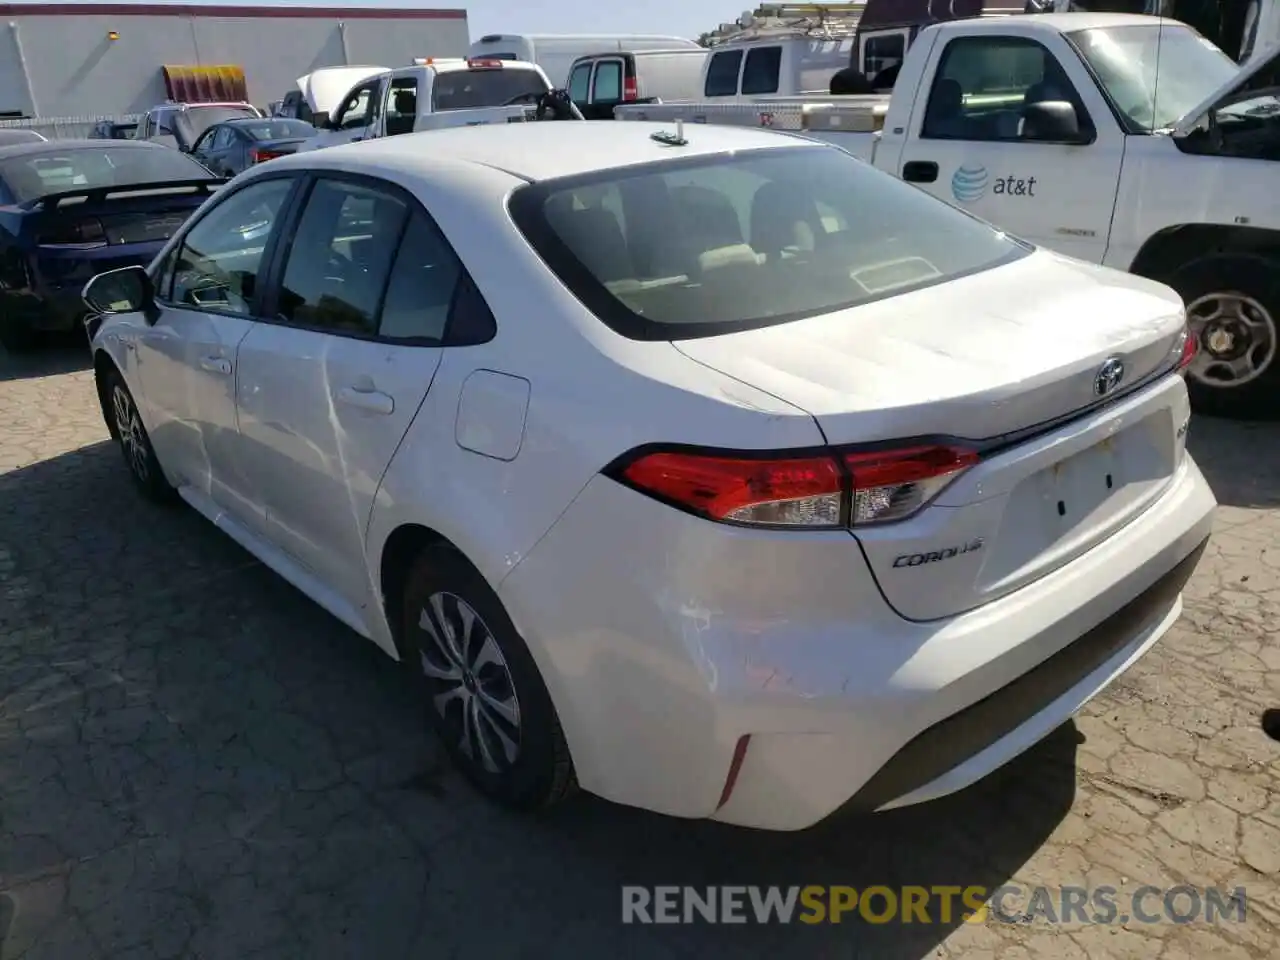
(722, 74)
(221, 258)
(1153, 75)
(983, 85)
(340, 257)
(356, 110)
(882, 52)
(761, 74)
(682, 249)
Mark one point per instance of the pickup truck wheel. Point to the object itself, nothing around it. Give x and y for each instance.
(1233, 303)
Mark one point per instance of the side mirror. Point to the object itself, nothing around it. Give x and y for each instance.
(126, 290)
(1053, 121)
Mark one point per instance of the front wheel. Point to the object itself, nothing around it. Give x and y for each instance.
(1233, 304)
(485, 697)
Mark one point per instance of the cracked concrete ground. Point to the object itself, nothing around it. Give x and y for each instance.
(196, 762)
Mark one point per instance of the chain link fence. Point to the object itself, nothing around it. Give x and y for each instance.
(65, 128)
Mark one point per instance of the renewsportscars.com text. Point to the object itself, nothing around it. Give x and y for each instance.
(935, 904)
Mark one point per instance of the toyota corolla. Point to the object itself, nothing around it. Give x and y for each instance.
(711, 470)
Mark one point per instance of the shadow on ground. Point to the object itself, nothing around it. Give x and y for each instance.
(62, 354)
(198, 762)
(1240, 460)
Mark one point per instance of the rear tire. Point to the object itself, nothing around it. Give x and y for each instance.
(1233, 308)
(485, 697)
(135, 444)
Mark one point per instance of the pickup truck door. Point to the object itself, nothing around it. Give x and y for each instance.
(361, 113)
(966, 143)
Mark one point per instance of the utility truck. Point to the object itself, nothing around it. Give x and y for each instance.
(1126, 140)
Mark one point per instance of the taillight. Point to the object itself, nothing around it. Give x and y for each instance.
(893, 484)
(819, 491)
(258, 155)
(629, 89)
(1190, 346)
(81, 234)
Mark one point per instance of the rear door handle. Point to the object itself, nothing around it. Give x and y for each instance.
(920, 171)
(370, 400)
(216, 365)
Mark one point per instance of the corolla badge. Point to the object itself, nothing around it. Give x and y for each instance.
(969, 183)
(1108, 376)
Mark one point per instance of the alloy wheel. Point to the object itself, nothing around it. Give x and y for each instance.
(132, 437)
(1237, 339)
(471, 683)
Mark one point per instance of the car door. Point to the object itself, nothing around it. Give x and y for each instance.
(207, 293)
(358, 119)
(968, 146)
(327, 390)
(223, 151)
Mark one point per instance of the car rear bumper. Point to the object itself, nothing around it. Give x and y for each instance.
(53, 302)
(666, 640)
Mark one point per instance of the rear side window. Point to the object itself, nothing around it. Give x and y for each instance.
(760, 75)
(608, 84)
(722, 74)
(680, 249)
(472, 89)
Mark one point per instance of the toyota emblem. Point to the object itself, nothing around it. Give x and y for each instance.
(1108, 376)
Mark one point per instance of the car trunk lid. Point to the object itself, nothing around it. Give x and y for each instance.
(996, 363)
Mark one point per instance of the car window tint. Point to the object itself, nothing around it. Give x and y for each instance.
(608, 84)
(221, 257)
(722, 74)
(580, 82)
(761, 73)
(422, 285)
(340, 256)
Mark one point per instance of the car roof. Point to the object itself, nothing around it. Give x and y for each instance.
(47, 146)
(1060, 22)
(544, 150)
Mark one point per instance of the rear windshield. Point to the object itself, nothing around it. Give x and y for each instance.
(277, 129)
(200, 119)
(469, 89)
(681, 249)
(35, 175)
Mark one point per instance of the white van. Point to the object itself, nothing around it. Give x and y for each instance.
(600, 81)
(555, 53)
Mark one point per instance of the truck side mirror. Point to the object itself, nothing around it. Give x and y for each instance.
(1053, 121)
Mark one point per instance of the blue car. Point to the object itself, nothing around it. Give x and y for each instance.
(70, 209)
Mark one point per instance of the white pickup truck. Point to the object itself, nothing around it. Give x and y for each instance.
(364, 103)
(1119, 139)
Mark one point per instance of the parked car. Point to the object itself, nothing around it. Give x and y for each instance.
(110, 130)
(72, 208)
(600, 82)
(180, 124)
(804, 490)
(12, 135)
(232, 147)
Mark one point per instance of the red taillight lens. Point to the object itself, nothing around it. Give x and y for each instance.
(258, 155)
(820, 491)
(84, 234)
(629, 89)
(893, 484)
(1190, 346)
(806, 492)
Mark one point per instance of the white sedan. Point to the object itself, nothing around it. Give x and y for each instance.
(714, 471)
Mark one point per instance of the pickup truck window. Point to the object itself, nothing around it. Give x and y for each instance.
(580, 82)
(608, 84)
(402, 106)
(883, 51)
(704, 246)
(760, 75)
(484, 87)
(357, 111)
(1153, 74)
(983, 84)
(722, 74)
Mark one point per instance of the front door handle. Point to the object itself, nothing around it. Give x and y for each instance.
(370, 400)
(216, 365)
(920, 171)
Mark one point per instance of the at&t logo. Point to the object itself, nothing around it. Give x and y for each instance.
(969, 183)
